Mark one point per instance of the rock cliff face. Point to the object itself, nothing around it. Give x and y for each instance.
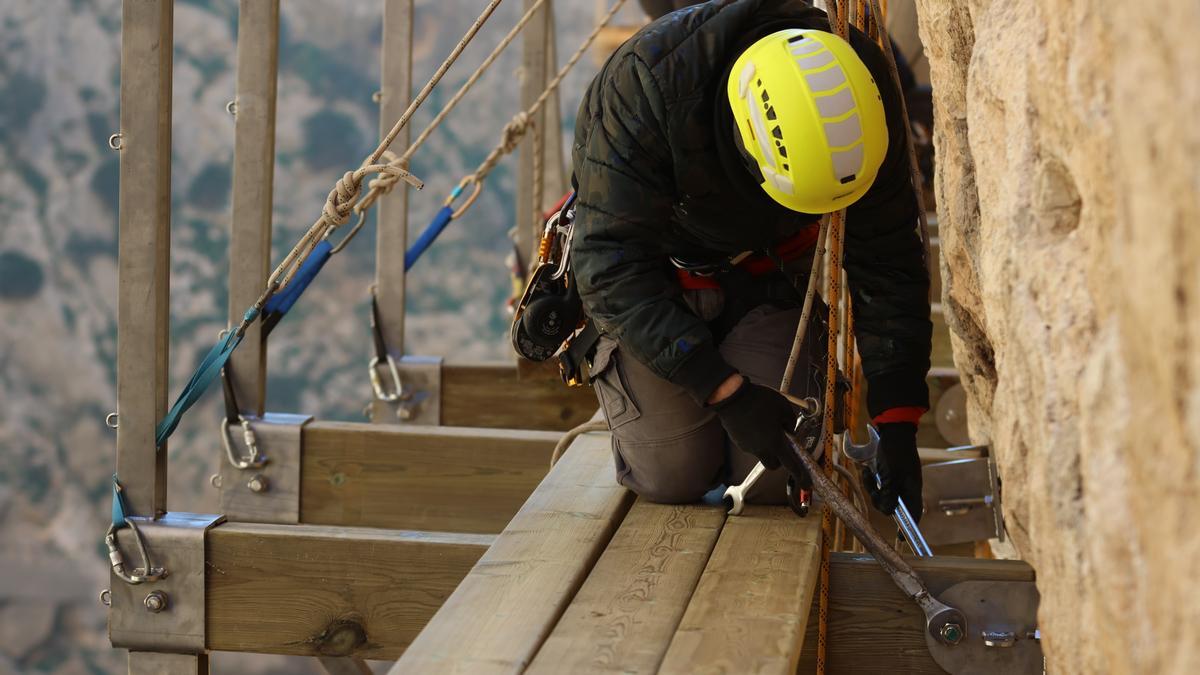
(1068, 187)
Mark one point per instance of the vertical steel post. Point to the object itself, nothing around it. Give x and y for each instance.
(392, 233)
(253, 179)
(144, 256)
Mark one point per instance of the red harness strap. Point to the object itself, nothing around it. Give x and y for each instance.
(787, 250)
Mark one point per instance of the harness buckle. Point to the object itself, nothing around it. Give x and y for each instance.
(382, 394)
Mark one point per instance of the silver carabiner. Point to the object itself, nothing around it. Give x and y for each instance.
(377, 382)
(138, 575)
(255, 460)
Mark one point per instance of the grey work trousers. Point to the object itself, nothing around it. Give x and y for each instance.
(670, 449)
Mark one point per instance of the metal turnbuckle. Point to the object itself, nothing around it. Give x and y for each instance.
(382, 394)
(138, 575)
(255, 460)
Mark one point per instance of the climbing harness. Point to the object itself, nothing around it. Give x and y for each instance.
(550, 309)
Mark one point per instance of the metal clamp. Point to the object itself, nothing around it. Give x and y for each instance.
(256, 459)
(377, 382)
(164, 613)
(270, 492)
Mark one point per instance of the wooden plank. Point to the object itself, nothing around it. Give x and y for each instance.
(446, 479)
(623, 617)
(750, 609)
(491, 395)
(144, 250)
(323, 591)
(873, 628)
(253, 180)
(501, 613)
(391, 237)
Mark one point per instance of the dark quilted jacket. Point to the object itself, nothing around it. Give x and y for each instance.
(654, 182)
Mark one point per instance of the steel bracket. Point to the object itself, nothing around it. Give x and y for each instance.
(269, 493)
(1001, 636)
(962, 501)
(420, 400)
(166, 615)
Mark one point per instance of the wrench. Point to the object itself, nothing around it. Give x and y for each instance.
(865, 454)
(735, 495)
(946, 624)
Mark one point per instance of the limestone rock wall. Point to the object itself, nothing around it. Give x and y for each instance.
(1068, 182)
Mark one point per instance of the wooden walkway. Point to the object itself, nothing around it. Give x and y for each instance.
(588, 579)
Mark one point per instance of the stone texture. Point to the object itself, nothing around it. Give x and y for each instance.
(1067, 180)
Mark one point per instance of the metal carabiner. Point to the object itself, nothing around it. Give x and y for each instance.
(256, 459)
(138, 575)
(377, 382)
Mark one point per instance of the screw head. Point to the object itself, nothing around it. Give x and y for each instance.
(258, 483)
(156, 601)
(952, 633)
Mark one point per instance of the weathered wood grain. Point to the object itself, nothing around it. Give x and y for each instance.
(873, 628)
(253, 181)
(501, 613)
(623, 617)
(491, 395)
(144, 250)
(749, 611)
(325, 591)
(447, 479)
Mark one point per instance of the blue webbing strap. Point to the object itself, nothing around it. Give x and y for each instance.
(428, 236)
(205, 373)
(118, 505)
(279, 304)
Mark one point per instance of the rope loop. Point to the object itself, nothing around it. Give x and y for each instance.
(341, 199)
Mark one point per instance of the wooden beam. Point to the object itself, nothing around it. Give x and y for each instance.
(623, 617)
(253, 179)
(500, 614)
(491, 395)
(391, 237)
(324, 591)
(751, 607)
(533, 81)
(446, 479)
(555, 170)
(144, 250)
(873, 628)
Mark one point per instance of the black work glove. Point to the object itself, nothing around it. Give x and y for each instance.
(755, 417)
(899, 469)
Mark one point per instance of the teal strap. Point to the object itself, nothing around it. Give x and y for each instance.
(205, 373)
(119, 509)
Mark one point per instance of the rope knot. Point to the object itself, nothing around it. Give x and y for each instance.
(515, 130)
(390, 173)
(340, 202)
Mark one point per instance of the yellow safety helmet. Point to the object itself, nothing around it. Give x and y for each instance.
(810, 117)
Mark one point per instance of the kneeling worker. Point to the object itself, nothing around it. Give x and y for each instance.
(705, 151)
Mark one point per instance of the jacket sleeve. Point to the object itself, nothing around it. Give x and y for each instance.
(889, 281)
(625, 197)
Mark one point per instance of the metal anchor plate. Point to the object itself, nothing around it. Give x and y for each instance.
(1003, 613)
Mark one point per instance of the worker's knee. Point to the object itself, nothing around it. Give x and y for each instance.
(674, 471)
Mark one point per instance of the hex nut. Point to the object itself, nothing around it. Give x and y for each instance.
(952, 633)
(156, 601)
